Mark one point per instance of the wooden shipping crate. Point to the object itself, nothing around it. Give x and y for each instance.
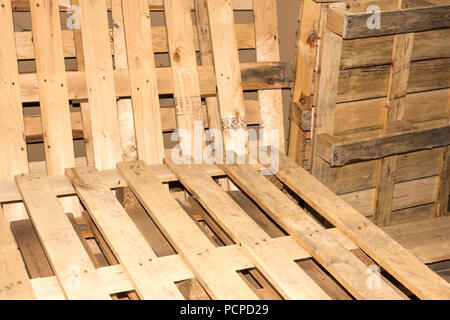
(126, 221)
(381, 106)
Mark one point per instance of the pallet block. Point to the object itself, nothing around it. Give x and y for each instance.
(152, 228)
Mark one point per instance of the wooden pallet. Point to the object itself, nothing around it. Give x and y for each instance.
(391, 163)
(175, 233)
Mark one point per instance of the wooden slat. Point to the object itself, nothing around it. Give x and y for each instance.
(53, 94)
(268, 49)
(352, 26)
(338, 153)
(129, 246)
(245, 33)
(154, 5)
(228, 75)
(443, 192)
(327, 94)
(100, 84)
(396, 102)
(183, 59)
(73, 268)
(142, 69)
(270, 257)
(14, 281)
(63, 187)
(395, 259)
(11, 126)
(255, 76)
(206, 58)
(185, 236)
(124, 106)
(341, 263)
(306, 61)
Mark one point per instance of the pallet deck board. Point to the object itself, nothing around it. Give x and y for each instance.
(123, 237)
(335, 258)
(398, 261)
(270, 256)
(196, 249)
(73, 268)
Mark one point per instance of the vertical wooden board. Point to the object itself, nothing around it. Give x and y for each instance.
(128, 244)
(124, 106)
(142, 70)
(183, 60)
(184, 235)
(327, 93)
(85, 112)
(11, 126)
(75, 271)
(206, 58)
(14, 280)
(268, 49)
(396, 103)
(100, 83)
(228, 75)
(306, 61)
(53, 94)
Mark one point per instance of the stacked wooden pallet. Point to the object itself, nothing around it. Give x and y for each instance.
(381, 104)
(78, 241)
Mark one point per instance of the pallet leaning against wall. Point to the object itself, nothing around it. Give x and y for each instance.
(382, 119)
(185, 230)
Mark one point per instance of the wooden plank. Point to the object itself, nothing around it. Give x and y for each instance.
(327, 94)
(100, 84)
(134, 253)
(185, 78)
(206, 57)
(185, 236)
(255, 76)
(154, 5)
(228, 75)
(14, 281)
(11, 127)
(124, 106)
(75, 272)
(395, 259)
(396, 102)
(270, 258)
(53, 94)
(268, 49)
(142, 69)
(306, 61)
(443, 191)
(245, 33)
(338, 153)
(352, 26)
(33, 123)
(340, 262)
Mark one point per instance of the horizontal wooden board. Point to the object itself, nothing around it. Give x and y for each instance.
(371, 82)
(339, 152)
(245, 35)
(352, 26)
(255, 76)
(378, 50)
(365, 115)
